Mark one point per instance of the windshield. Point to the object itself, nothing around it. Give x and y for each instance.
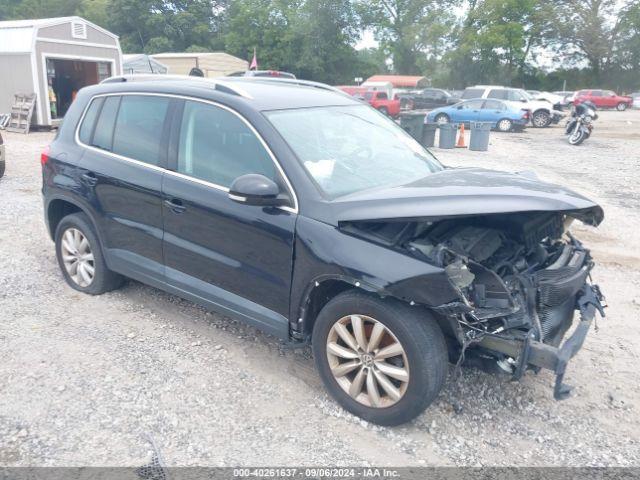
(353, 148)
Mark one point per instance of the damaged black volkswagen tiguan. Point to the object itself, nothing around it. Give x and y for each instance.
(309, 215)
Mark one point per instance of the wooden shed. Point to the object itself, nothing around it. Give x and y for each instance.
(212, 64)
(54, 57)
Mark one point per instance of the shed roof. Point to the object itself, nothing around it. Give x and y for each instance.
(399, 81)
(17, 35)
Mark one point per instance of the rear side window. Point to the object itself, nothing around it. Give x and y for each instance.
(103, 134)
(472, 93)
(596, 93)
(89, 121)
(138, 132)
(500, 94)
(218, 147)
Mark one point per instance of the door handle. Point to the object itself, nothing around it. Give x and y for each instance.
(175, 205)
(89, 179)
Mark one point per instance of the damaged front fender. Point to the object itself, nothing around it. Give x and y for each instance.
(324, 252)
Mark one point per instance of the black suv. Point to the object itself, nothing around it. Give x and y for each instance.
(299, 210)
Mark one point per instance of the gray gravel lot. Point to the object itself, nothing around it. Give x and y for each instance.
(88, 380)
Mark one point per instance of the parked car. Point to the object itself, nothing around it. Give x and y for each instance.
(2, 156)
(381, 102)
(603, 99)
(427, 99)
(543, 113)
(262, 73)
(567, 97)
(556, 100)
(636, 99)
(502, 115)
(299, 210)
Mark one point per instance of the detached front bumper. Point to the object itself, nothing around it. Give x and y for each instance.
(532, 353)
(557, 116)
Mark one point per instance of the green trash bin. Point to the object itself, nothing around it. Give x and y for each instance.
(479, 140)
(413, 122)
(448, 134)
(429, 134)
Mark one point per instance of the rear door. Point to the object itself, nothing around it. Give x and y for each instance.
(121, 170)
(218, 252)
(492, 111)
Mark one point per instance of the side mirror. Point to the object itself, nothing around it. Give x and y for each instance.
(257, 190)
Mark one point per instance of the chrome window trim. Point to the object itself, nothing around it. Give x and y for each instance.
(289, 186)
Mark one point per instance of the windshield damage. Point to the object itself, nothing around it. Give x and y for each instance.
(519, 277)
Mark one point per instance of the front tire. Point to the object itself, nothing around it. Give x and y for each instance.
(621, 107)
(577, 137)
(541, 119)
(442, 118)
(382, 360)
(80, 256)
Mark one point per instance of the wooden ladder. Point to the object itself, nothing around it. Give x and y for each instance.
(21, 112)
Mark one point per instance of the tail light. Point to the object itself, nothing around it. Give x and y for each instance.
(44, 156)
(526, 114)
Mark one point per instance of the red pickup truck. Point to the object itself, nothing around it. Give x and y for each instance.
(603, 99)
(381, 102)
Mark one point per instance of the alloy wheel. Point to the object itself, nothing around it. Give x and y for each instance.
(540, 119)
(367, 361)
(504, 125)
(77, 257)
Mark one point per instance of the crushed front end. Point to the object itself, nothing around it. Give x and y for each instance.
(520, 279)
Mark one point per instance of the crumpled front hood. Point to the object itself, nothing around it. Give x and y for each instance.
(463, 192)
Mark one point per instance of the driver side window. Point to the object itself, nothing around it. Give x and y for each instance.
(217, 146)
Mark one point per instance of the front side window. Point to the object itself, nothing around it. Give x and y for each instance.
(138, 132)
(596, 93)
(217, 146)
(352, 148)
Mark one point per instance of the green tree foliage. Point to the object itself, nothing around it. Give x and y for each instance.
(454, 42)
(412, 32)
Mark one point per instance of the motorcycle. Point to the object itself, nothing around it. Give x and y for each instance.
(580, 125)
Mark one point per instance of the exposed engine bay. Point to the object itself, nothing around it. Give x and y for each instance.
(520, 277)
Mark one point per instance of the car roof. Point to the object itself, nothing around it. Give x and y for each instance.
(262, 93)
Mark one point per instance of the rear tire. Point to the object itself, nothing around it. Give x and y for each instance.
(621, 107)
(378, 387)
(80, 256)
(505, 125)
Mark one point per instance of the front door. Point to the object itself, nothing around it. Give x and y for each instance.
(232, 257)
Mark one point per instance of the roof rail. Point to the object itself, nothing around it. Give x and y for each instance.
(289, 81)
(216, 84)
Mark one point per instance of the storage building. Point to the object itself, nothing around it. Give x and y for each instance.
(212, 64)
(54, 57)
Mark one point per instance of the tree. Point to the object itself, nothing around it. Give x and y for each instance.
(496, 40)
(589, 32)
(411, 31)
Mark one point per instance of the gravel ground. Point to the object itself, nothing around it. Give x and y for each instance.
(91, 380)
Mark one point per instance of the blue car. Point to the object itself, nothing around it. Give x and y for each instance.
(504, 117)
